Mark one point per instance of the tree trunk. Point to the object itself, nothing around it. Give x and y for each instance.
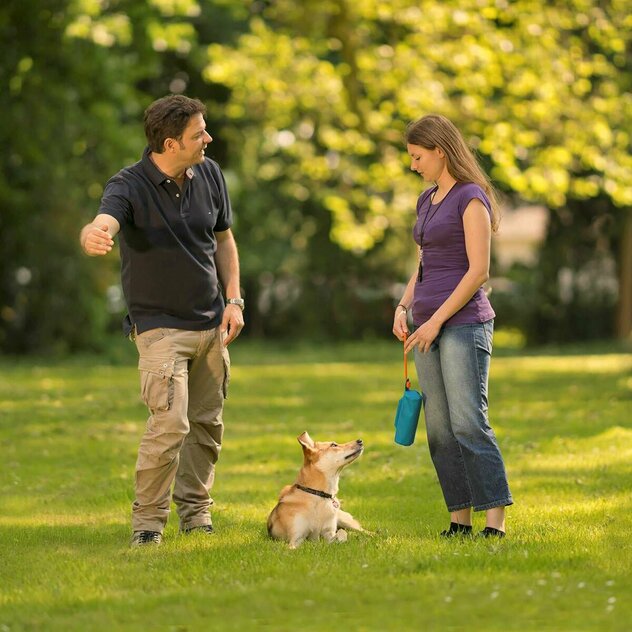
(624, 308)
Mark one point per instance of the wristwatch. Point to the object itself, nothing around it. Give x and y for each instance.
(236, 301)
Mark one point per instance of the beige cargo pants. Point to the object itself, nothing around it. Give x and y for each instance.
(184, 378)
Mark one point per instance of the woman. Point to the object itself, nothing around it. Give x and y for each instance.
(453, 323)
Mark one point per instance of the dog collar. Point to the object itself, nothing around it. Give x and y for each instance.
(316, 492)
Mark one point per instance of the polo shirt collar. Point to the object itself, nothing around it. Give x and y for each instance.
(154, 174)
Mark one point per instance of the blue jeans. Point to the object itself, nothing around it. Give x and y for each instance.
(453, 377)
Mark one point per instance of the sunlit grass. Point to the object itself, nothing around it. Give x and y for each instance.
(69, 433)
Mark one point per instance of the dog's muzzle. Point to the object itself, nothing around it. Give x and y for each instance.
(360, 444)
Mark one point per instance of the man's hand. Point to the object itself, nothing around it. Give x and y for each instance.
(96, 240)
(232, 323)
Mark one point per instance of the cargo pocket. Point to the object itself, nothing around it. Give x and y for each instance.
(151, 336)
(226, 361)
(156, 382)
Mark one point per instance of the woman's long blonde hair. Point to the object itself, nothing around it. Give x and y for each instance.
(432, 131)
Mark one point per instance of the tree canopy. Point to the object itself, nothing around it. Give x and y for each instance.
(308, 102)
(539, 90)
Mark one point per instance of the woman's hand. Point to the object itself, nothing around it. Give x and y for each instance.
(423, 337)
(400, 323)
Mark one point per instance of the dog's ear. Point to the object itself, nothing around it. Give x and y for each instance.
(306, 441)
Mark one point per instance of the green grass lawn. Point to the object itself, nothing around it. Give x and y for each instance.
(69, 432)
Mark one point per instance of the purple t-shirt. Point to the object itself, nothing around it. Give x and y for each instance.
(445, 259)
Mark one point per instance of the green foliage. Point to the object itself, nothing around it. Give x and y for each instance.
(79, 74)
(538, 88)
(69, 434)
(318, 109)
(308, 116)
(70, 105)
(571, 293)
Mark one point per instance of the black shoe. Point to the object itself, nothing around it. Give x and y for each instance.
(204, 528)
(457, 529)
(143, 538)
(490, 532)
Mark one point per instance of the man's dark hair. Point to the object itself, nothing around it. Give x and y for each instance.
(168, 118)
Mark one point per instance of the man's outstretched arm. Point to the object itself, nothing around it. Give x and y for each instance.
(97, 237)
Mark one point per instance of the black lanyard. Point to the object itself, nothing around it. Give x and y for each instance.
(427, 219)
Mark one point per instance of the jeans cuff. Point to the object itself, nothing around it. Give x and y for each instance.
(497, 503)
(460, 506)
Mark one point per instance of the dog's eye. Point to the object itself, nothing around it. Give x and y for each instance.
(334, 445)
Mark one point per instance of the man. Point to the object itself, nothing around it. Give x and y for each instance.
(173, 214)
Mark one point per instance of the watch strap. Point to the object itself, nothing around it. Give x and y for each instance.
(236, 301)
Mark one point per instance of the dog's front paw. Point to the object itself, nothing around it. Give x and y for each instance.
(341, 536)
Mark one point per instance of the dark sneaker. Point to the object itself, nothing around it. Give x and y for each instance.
(490, 532)
(143, 538)
(204, 528)
(456, 529)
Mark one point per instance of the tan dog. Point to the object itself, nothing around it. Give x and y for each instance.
(309, 508)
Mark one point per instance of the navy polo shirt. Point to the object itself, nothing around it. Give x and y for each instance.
(168, 244)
